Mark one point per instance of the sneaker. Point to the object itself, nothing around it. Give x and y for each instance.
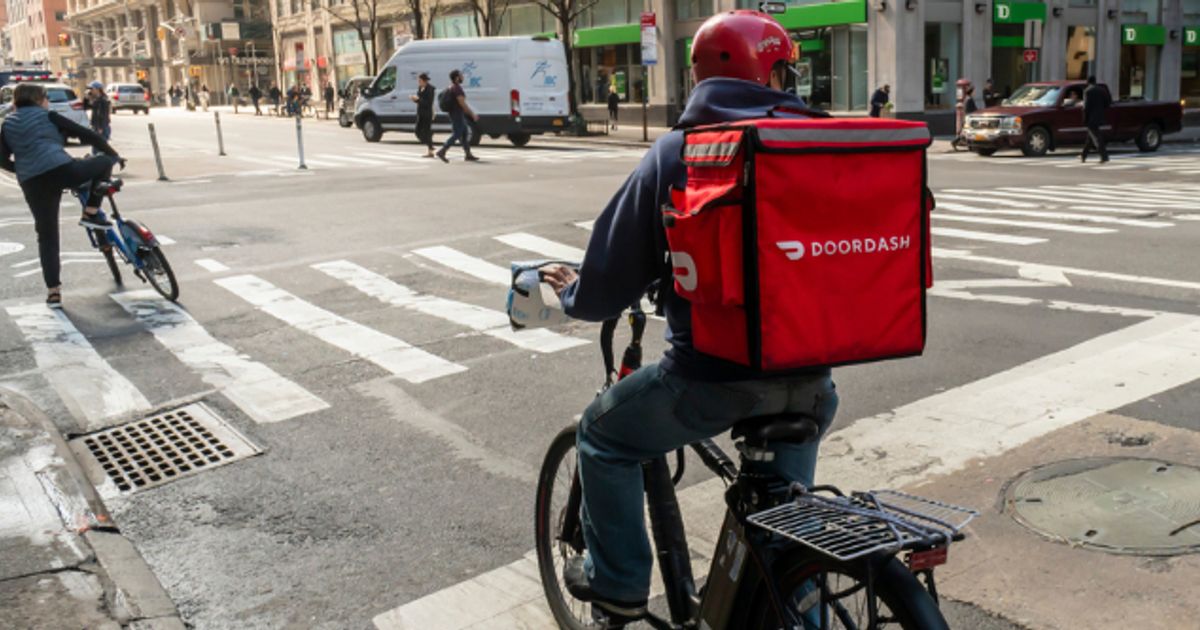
(54, 300)
(94, 221)
(617, 613)
(472, 158)
(442, 156)
(1103, 159)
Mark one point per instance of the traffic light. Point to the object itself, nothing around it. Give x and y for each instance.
(141, 75)
(64, 39)
(162, 34)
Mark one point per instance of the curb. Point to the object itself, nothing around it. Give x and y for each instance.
(134, 596)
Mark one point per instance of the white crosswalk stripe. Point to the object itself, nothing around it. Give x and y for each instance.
(470, 265)
(543, 246)
(1088, 218)
(1172, 160)
(398, 357)
(1037, 225)
(987, 237)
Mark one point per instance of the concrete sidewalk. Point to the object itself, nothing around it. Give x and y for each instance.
(63, 563)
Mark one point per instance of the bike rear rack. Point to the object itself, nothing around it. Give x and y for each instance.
(847, 528)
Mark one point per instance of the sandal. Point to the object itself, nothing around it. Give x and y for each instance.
(54, 300)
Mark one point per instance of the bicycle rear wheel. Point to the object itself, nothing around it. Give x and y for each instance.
(902, 602)
(159, 274)
(110, 257)
(556, 528)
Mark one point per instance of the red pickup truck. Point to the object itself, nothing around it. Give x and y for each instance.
(1047, 115)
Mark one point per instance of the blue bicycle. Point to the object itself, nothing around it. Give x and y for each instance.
(134, 242)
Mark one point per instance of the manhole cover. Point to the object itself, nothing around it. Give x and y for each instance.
(150, 452)
(1127, 506)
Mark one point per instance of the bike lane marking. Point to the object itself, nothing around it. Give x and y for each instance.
(936, 435)
(256, 389)
(394, 355)
(89, 387)
(211, 265)
(484, 320)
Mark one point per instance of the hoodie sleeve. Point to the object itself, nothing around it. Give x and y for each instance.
(623, 255)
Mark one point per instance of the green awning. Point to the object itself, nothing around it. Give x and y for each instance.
(1143, 34)
(1007, 12)
(1008, 41)
(824, 14)
(607, 35)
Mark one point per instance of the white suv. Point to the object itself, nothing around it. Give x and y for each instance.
(62, 100)
(128, 96)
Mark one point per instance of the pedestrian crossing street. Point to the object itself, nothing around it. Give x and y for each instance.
(1178, 161)
(412, 158)
(95, 391)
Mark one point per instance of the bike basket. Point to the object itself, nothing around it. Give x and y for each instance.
(847, 528)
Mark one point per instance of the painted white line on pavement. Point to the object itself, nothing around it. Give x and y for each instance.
(89, 387)
(1067, 216)
(586, 225)
(1116, 208)
(936, 435)
(467, 264)
(351, 160)
(1049, 198)
(7, 222)
(1106, 275)
(1039, 225)
(211, 265)
(542, 246)
(277, 163)
(63, 263)
(398, 357)
(1156, 192)
(295, 161)
(164, 240)
(1074, 194)
(484, 320)
(983, 198)
(256, 389)
(988, 237)
(7, 247)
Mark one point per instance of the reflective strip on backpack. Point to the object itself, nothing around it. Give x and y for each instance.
(711, 153)
(844, 136)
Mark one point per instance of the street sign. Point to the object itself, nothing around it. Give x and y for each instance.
(649, 39)
(1030, 56)
(773, 8)
(1033, 33)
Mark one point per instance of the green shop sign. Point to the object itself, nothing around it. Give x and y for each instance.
(824, 14)
(1005, 12)
(607, 35)
(1191, 36)
(1143, 34)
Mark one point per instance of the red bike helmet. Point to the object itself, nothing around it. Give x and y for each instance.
(740, 44)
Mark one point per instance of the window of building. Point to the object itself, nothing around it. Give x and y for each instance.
(831, 73)
(693, 9)
(1083, 4)
(1139, 72)
(610, 68)
(527, 19)
(1189, 77)
(60, 16)
(943, 48)
(1081, 51)
(1147, 9)
(460, 25)
(607, 13)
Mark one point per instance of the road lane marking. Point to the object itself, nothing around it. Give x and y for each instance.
(937, 435)
(1105, 275)
(470, 265)
(1074, 193)
(294, 161)
(1161, 191)
(586, 225)
(398, 357)
(988, 237)
(490, 322)
(89, 387)
(256, 389)
(983, 198)
(541, 246)
(1049, 199)
(1037, 225)
(211, 265)
(1090, 218)
(352, 160)
(164, 239)
(1074, 196)
(8, 247)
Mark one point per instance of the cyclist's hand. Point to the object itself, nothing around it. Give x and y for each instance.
(558, 277)
(121, 162)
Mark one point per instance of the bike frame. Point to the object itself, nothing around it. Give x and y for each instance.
(127, 235)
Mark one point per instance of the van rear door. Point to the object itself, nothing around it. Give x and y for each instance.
(541, 78)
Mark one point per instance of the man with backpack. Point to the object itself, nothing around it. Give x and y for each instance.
(453, 101)
(739, 60)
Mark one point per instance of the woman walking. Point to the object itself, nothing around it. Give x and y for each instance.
(34, 136)
(424, 100)
(204, 96)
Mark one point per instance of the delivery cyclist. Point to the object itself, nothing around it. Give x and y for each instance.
(739, 60)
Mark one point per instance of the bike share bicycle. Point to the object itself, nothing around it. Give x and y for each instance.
(786, 557)
(132, 241)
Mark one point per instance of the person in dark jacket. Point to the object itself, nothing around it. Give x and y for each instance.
(614, 102)
(459, 112)
(424, 99)
(739, 60)
(328, 95)
(1096, 101)
(101, 108)
(31, 145)
(255, 96)
(275, 96)
(879, 100)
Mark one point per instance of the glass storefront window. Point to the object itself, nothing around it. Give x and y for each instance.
(524, 20)
(1149, 9)
(1009, 70)
(1085, 4)
(1189, 77)
(1081, 51)
(831, 73)
(461, 25)
(610, 68)
(943, 47)
(1139, 72)
(693, 9)
(606, 13)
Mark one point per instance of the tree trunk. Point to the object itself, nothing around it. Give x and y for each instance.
(565, 26)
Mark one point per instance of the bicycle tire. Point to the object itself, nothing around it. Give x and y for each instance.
(909, 606)
(570, 613)
(106, 248)
(155, 258)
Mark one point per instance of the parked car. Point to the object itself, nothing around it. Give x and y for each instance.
(128, 96)
(62, 100)
(1045, 116)
(517, 86)
(350, 95)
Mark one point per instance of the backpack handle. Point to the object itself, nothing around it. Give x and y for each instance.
(803, 111)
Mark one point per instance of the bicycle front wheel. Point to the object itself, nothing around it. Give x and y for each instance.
(557, 528)
(811, 585)
(159, 274)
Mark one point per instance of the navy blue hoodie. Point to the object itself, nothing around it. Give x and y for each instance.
(628, 244)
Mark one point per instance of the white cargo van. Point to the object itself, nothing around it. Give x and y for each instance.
(517, 85)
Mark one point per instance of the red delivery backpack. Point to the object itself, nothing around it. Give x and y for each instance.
(803, 242)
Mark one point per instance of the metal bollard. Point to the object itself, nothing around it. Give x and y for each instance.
(162, 175)
(220, 138)
(300, 144)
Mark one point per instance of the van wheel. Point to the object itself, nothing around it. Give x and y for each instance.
(476, 134)
(1150, 138)
(1037, 142)
(519, 139)
(371, 129)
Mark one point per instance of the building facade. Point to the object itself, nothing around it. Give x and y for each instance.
(35, 31)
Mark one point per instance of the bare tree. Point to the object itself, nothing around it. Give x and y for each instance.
(566, 12)
(422, 13)
(489, 15)
(366, 23)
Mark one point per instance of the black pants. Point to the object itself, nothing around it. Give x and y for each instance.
(257, 109)
(425, 131)
(1095, 141)
(43, 193)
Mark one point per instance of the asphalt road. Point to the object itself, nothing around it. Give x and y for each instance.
(401, 437)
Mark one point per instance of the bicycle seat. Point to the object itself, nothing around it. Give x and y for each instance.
(795, 428)
(113, 185)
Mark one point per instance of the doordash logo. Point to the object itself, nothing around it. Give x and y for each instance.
(795, 250)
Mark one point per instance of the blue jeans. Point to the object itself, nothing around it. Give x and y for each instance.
(651, 413)
(459, 132)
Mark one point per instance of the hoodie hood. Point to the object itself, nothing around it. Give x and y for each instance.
(719, 100)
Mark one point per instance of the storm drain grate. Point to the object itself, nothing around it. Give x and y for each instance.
(155, 450)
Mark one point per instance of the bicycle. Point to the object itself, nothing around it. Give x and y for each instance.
(134, 242)
(787, 556)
